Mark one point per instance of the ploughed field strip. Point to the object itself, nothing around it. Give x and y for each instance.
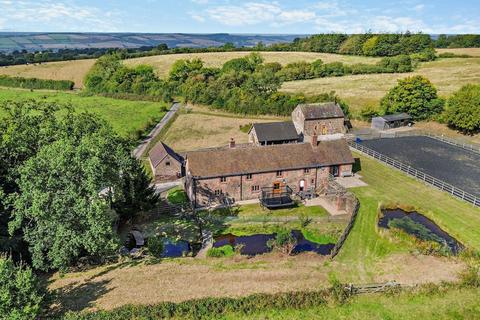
(454, 165)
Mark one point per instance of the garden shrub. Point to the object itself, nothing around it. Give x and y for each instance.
(283, 242)
(223, 251)
(155, 246)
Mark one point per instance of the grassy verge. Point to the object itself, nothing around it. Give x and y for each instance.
(128, 118)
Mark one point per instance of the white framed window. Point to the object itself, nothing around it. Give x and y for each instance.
(223, 179)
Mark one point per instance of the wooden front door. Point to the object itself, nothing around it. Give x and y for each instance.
(277, 187)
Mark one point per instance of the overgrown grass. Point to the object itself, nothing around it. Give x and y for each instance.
(319, 237)
(223, 251)
(128, 118)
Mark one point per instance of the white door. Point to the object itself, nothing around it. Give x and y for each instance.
(302, 185)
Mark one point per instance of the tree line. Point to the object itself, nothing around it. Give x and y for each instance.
(458, 41)
(245, 85)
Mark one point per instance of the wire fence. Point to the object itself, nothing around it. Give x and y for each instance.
(428, 179)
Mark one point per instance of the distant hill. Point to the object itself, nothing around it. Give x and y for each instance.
(11, 41)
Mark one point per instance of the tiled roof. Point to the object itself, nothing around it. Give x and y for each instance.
(275, 131)
(215, 163)
(322, 110)
(160, 151)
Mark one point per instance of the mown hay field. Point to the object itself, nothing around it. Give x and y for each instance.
(448, 75)
(63, 70)
(474, 52)
(163, 63)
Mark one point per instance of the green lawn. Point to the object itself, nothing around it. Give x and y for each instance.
(126, 117)
(449, 304)
(177, 196)
(364, 246)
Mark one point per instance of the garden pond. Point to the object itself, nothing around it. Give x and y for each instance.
(418, 225)
(258, 243)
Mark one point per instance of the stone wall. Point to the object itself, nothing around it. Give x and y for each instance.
(169, 169)
(324, 126)
(214, 191)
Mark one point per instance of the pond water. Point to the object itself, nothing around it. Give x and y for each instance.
(391, 214)
(257, 243)
(175, 249)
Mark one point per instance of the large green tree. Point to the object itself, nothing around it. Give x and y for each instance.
(66, 178)
(463, 109)
(414, 95)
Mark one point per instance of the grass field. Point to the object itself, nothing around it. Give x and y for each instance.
(474, 52)
(126, 117)
(163, 63)
(366, 257)
(64, 70)
(448, 75)
(440, 305)
(201, 128)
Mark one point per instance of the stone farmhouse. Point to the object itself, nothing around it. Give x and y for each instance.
(281, 158)
(223, 176)
(166, 164)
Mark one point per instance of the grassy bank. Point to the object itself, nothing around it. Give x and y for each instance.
(126, 117)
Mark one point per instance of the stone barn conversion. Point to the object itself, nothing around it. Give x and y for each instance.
(273, 133)
(223, 176)
(319, 119)
(391, 121)
(166, 164)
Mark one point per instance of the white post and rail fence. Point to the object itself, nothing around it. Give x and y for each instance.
(428, 179)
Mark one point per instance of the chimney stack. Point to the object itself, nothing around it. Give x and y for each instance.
(232, 143)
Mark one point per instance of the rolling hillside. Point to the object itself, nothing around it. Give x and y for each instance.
(53, 41)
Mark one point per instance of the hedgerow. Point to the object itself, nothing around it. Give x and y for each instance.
(209, 308)
(34, 83)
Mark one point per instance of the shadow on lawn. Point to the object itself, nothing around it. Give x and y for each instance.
(77, 297)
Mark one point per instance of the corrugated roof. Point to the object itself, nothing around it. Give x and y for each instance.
(322, 110)
(275, 131)
(396, 117)
(160, 151)
(267, 158)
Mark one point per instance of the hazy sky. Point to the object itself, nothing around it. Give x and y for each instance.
(256, 16)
